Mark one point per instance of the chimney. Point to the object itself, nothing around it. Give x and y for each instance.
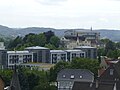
(96, 83)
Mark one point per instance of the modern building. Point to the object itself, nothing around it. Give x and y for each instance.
(91, 52)
(80, 37)
(67, 77)
(3, 56)
(58, 55)
(40, 54)
(19, 57)
(75, 53)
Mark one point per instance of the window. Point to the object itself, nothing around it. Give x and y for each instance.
(111, 71)
(72, 77)
(80, 76)
(63, 76)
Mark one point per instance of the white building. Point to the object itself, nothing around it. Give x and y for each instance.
(91, 52)
(75, 53)
(74, 38)
(58, 55)
(19, 57)
(65, 55)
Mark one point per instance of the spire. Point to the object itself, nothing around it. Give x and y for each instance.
(15, 85)
(91, 28)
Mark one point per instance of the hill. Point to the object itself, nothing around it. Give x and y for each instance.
(114, 35)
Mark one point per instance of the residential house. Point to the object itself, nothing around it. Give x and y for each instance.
(67, 77)
(108, 80)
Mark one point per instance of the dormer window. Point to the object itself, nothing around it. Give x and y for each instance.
(111, 71)
(72, 76)
(63, 76)
(80, 77)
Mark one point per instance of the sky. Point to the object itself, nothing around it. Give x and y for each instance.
(60, 14)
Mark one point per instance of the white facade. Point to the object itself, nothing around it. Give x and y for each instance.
(65, 55)
(75, 53)
(19, 57)
(58, 55)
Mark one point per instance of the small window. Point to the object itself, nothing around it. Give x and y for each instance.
(72, 77)
(80, 76)
(111, 71)
(63, 76)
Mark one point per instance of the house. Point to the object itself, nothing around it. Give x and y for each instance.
(1, 83)
(58, 55)
(18, 57)
(91, 52)
(67, 77)
(40, 54)
(108, 80)
(80, 37)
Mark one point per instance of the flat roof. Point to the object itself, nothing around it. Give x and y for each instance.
(57, 51)
(17, 52)
(73, 50)
(84, 47)
(36, 47)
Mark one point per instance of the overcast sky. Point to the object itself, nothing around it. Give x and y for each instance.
(61, 13)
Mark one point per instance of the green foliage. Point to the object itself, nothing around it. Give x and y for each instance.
(55, 41)
(85, 63)
(111, 49)
(77, 63)
(48, 35)
(46, 39)
(7, 75)
(50, 46)
(54, 70)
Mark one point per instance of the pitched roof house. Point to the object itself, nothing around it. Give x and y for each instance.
(108, 80)
(67, 77)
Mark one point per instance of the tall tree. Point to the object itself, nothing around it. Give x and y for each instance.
(55, 41)
(48, 35)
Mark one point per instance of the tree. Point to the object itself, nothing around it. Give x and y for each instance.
(110, 46)
(50, 46)
(54, 40)
(48, 35)
(15, 43)
(54, 70)
(85, 63)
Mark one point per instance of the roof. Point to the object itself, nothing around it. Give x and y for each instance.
(84, 47)
(13, 52)
(81, 74)
(57, 51)
(92, 86)
(82, 86)
(36, 47)
(73, 50)
(15, 81)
